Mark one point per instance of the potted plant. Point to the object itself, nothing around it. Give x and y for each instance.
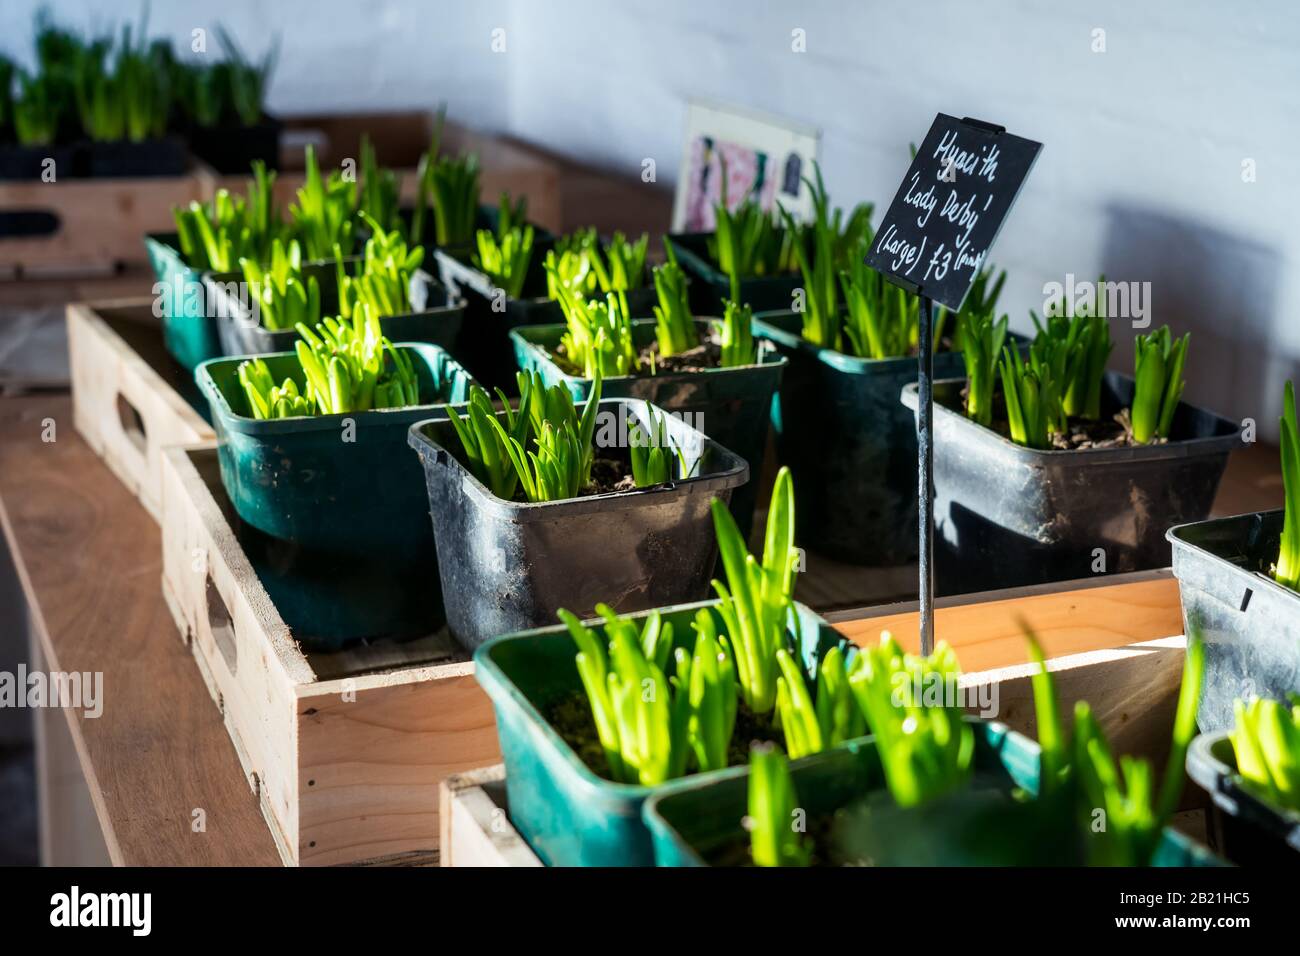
(210, 237)
(752, 665)
(225, 116)
(850, 350)
(1072, 470)
(31, 113)
(1239, 580)
(917, 794)
(543, 508)
(123, 100)
(312, 457)
(709, 370)
(749, 258)
(1252, 774)
(259, 307)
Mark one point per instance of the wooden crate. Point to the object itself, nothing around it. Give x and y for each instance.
(89, 225)
(1117, 645)
(345, 751)
(399, 138)
(476, 828)
(127, 392)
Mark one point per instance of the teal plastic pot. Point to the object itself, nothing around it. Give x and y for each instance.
(850, 445)
(697, 821)
(484, 344)
(342, 499)
(435, 317)
(730, 405)
(711, 286)
(567, 813)
(189, 330)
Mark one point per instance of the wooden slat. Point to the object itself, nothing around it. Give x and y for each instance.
(124, 392)
(476, 829)
(989, 633)
(89, 559)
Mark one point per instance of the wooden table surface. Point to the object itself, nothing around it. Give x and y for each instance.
(90, 561)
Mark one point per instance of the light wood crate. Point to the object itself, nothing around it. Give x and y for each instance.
(345, 751)
(126, 392)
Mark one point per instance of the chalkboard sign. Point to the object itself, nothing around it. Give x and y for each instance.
(958, 190)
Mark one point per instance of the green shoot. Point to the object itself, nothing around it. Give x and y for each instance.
(505, 259)
(599, 336)
(775, 840)
(653, 452)
(925, 751)
(324, 211)
(378, 198)
(283, 297)
(346, 368)
(217, 235)
(37, 107)
(881, 320)
(1033, 401)
(268, 400)
(712, 685)
(1159, 383)
(642, 719)
(821, 317)
(1266, 741)
(981, 340)
(757, 599)
(452, 186)
(736, 333)
(485, 450)
(1287, 571)
(247, 80)
(353, 367)
(561, 465)
(749, 242)
(809, 724)
(1135, 812)
(383, 279)
(674, 324)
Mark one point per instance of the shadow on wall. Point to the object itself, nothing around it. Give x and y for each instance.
(1223, 288)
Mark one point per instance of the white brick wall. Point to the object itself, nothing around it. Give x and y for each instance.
(1141, 174)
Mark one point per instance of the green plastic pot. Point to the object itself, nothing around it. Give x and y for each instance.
(189, 331)
(567, 813)
(711, 286)
(697, 821)
(730, 405)
(342, 499)
(850, 444)
(435, 318)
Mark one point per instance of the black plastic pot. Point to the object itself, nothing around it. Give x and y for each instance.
(231, 150)
(509, 566)
(28, 162)
(1007, 516)
(1250, 623)
(435, 316)
(484, 343)
(711, 285)
(731, 405)
(1243, 827)
(850, 445)
(123, 159)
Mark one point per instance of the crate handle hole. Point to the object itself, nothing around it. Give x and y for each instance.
(132, 423)
(221, 625)
(28, 223)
